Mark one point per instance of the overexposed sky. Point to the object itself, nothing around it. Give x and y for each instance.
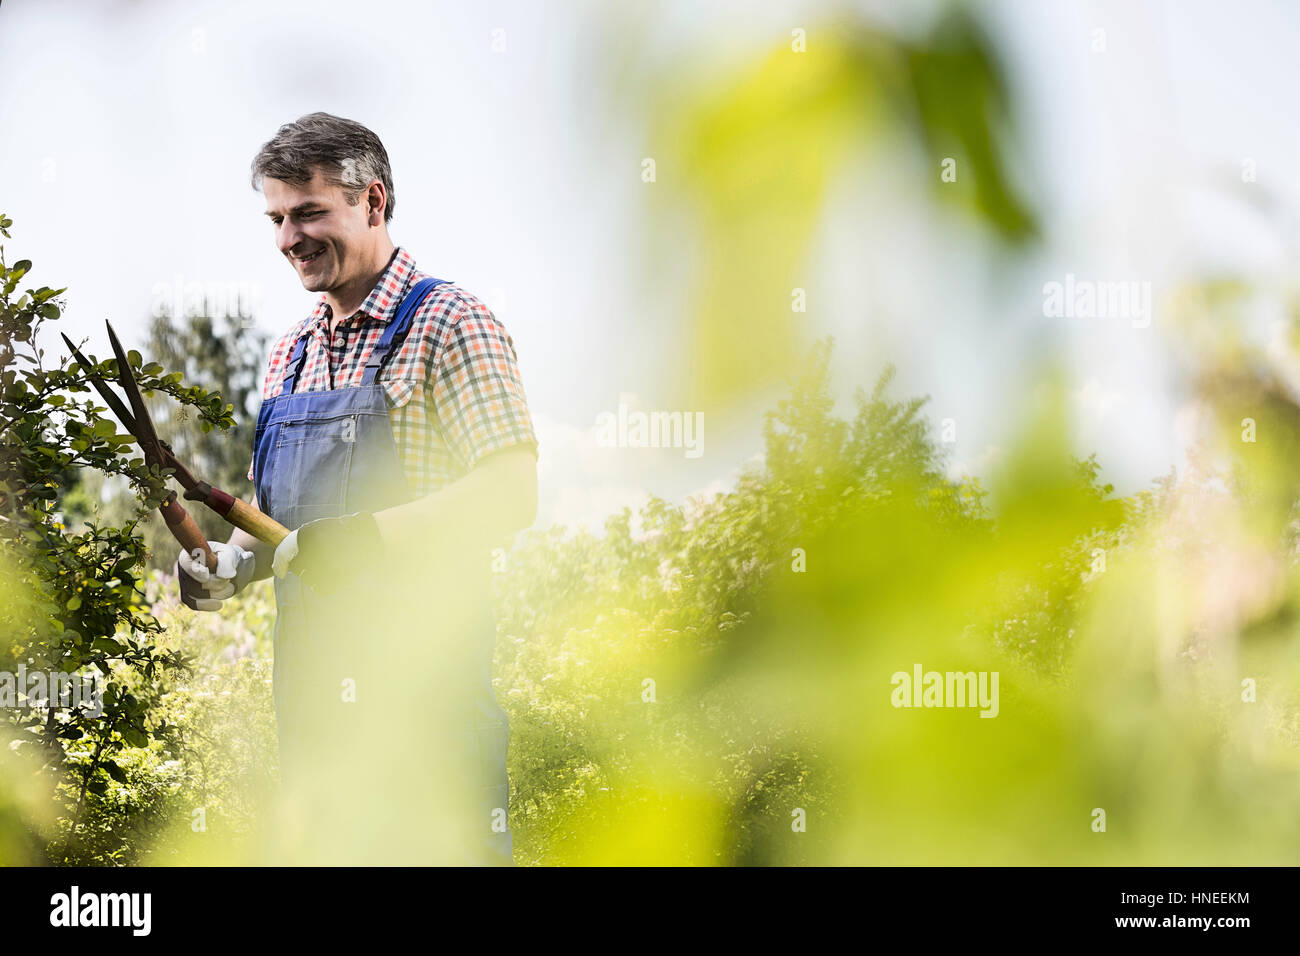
(126, 130)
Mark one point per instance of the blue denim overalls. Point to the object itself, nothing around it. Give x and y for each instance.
(322, 454)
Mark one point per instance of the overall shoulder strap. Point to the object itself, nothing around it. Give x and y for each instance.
(294, 366)
(395, 334)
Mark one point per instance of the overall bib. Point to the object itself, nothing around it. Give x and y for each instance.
(383, 695)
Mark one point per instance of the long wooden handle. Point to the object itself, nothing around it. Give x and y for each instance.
(185, 530)
(259, 525)
(239, 513)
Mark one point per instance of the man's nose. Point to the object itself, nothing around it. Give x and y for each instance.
(288, 237)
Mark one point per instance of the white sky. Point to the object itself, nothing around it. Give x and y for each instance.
(126, 130)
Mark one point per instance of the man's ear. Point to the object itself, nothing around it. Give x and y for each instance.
(377, 202)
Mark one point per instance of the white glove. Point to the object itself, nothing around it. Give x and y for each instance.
(235, 567)
(285, 552)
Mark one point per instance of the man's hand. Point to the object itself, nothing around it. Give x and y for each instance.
(329, 551)
(204, 590)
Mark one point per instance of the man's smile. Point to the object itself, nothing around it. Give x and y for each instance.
(311, 258)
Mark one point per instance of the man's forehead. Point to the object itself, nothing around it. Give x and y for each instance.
(292, 196)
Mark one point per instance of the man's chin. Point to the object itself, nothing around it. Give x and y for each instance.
(316, 283)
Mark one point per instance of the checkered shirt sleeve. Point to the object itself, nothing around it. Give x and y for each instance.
(478, 400)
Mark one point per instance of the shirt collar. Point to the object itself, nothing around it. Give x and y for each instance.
(381, 305)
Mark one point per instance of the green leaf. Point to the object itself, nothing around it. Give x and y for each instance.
(74, 602)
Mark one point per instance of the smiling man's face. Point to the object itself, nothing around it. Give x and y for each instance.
(328, 242)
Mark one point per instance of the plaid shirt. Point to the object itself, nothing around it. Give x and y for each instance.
(454, 391)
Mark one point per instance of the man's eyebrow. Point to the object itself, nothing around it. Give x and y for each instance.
(301, 207)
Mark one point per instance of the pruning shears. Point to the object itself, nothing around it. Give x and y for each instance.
(158, 452)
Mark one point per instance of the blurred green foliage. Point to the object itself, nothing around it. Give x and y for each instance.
(685, 691)
(745, 160)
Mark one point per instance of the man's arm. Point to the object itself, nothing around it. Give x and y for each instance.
(484, 508)
(262, 551)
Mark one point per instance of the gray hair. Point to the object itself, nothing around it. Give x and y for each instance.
(350, 155)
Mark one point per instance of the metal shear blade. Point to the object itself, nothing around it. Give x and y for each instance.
(136, 420)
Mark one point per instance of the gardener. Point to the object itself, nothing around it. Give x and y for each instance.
(395, 438)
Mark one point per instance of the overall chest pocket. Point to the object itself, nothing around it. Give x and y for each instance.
(341, 428)
(312, 462)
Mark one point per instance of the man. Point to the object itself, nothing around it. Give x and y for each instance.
(395, 442)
